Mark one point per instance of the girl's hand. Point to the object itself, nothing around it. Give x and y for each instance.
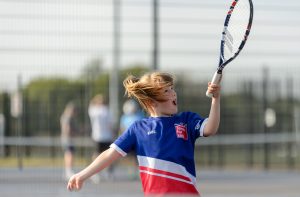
(214, 89)
(75, 183)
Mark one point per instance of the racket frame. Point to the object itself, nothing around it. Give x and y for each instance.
(222, 62)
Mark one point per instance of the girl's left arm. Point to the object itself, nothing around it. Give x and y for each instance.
(213, 122)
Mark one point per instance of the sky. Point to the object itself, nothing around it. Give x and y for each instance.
(59, 37)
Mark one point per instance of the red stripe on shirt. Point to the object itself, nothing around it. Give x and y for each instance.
(165, 173)
(153, 184)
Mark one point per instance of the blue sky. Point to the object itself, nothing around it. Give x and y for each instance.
(47, 38)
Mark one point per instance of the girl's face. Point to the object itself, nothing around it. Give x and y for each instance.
(168, 107)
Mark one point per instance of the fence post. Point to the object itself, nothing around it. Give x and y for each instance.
(155, 57)
(265, 87)
(290, 105)
(2, 127)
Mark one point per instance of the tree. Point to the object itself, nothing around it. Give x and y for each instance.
(92, 69)
(45, 101)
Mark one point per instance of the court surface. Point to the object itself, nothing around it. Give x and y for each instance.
(48, 182)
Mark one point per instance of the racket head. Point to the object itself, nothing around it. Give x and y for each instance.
(237, 26)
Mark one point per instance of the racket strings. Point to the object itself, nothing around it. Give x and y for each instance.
(234, 32)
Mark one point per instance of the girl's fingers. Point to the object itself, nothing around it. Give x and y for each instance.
(71, 185)
(78, 185)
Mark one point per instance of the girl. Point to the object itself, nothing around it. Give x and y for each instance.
(164, 142)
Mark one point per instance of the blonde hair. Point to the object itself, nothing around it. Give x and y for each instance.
(147, 88)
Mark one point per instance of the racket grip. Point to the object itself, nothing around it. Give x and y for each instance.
(215, 80)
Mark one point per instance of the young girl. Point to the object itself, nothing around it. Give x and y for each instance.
(164, 142)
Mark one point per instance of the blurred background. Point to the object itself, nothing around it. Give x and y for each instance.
(56, 51)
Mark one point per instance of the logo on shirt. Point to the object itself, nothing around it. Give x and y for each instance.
(181, 131)
(197, 127)
(151, 132)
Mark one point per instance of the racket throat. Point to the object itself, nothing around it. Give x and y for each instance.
(217, 77)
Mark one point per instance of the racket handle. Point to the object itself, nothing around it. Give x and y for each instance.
(215, 80)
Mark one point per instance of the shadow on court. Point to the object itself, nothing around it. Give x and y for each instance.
(47, 182)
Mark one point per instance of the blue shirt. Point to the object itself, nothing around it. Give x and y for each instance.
(165, 151)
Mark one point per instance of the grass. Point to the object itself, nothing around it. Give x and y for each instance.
(56, 162)
(13, 162)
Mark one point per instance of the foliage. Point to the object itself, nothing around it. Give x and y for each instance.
(45, 99)
(92, 69)
(42, 89)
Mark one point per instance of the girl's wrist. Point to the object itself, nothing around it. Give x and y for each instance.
(216, 99)
(82, 176)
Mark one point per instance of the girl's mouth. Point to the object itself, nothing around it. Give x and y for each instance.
(174, 102)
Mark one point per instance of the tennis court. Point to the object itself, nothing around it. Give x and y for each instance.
(56, 51)
(44, 182)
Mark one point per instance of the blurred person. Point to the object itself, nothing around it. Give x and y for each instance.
(164, 142)
(102, 129)
(69, 129)
(131, 113)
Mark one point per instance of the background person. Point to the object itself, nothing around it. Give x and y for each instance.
(69, 128)
(102, 128)
(131, 113)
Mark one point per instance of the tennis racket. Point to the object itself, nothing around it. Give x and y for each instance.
(235, 33)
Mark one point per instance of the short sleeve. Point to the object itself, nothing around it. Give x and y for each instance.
(125, 142)
(196, 124)
(200, 126)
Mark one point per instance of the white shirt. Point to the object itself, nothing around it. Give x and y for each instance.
(101, 123)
